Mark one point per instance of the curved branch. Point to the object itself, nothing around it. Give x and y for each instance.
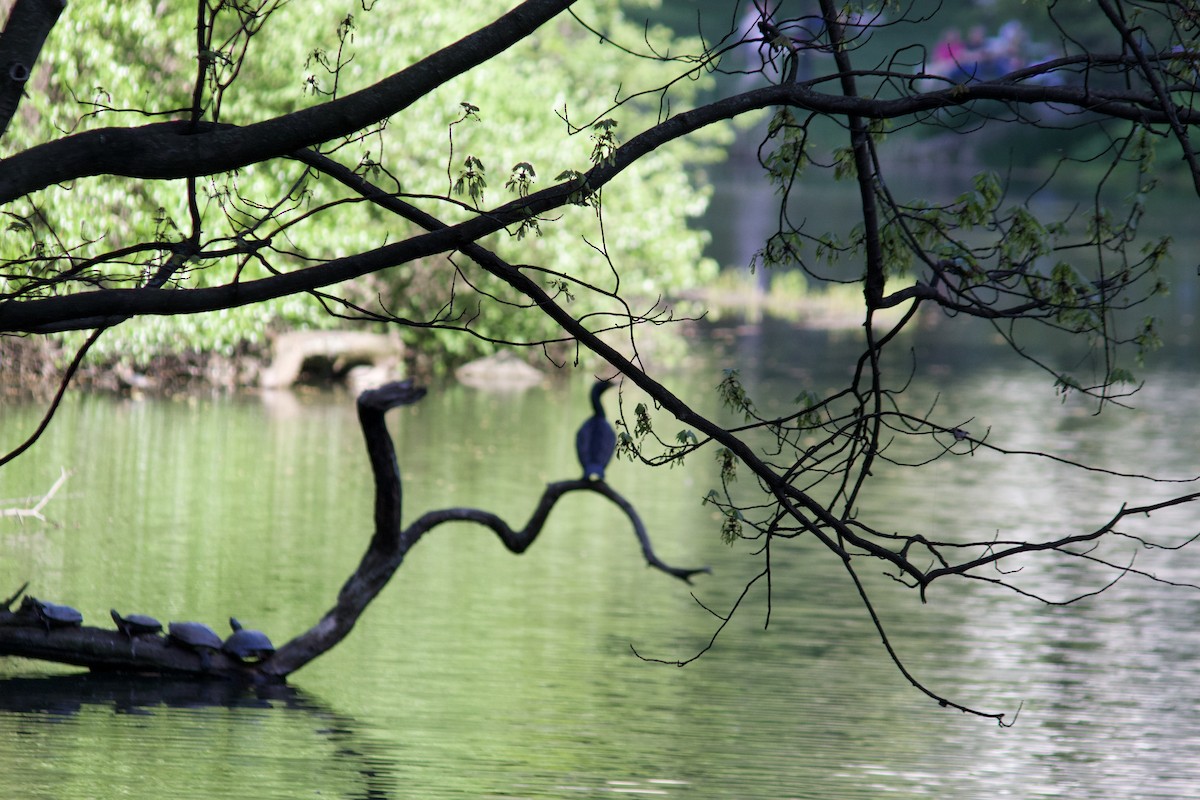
(26, 634)
(518, 541)
(390, 543)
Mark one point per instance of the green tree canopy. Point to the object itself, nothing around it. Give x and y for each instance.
(535, 111)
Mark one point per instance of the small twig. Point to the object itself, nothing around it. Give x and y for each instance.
(7, 604)
(899, 663)
(58, 396)
(36, 511)
(725, 620)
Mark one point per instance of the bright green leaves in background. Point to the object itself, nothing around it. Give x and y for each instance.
(543, 106)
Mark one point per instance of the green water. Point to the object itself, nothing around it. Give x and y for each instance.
(481, 674)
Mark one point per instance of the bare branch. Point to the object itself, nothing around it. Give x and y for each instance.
(35, 510)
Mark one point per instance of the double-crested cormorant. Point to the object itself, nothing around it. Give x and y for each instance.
(596, 440)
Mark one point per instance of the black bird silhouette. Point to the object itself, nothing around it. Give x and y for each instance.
(596, 441)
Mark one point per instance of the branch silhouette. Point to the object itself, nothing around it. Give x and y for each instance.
(26, 633)
(391, 542)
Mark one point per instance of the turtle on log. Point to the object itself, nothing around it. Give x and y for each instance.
(52, 615)
(135, 625)
(195, 636)
(247, 645)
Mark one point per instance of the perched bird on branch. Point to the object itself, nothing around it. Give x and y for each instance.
(596, 441)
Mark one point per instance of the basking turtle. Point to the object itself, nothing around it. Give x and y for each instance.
(53, 615)
(247, 645)
(195, 636)
(135, 625)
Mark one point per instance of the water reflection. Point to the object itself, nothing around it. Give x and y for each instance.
(101, 736)
(481, 674)
(67, 694)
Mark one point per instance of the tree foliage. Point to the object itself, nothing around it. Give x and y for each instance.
(488, 135)
(259, 186)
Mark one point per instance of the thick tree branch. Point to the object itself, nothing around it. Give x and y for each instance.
(106, 650)
(166, 150)
(90, 309)
(29, 23)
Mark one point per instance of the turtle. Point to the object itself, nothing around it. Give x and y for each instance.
(53, 615)
(135, 625)
(195, 636)
(247, 645)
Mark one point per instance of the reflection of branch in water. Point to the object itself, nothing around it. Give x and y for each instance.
(390, 542)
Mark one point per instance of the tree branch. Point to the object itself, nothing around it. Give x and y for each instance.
(35, 511)
(29, 23)
(518, 541)
(166, 150)
(90, 309)
(390, 543)
(174, 150)
(27, 634)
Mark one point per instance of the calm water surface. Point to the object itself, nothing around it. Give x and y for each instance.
(480, 674)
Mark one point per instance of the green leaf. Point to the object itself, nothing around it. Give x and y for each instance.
(731, 526)
(686, 437)
(728, 462)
